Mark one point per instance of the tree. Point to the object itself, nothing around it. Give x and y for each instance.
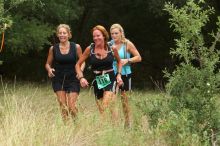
(5, 19)
(35, 23)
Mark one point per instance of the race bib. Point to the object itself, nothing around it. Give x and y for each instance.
(103, 81)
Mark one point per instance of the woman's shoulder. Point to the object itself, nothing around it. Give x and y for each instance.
(129, 43)
(73, 44)
(56, 45)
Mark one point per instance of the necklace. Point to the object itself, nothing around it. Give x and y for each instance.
(101, 53)
(64, 48)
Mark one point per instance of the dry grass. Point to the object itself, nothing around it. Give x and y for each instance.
(30, 116)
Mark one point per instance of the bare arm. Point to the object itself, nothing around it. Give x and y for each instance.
(79, 54)
(81, 60)
(133, 50)
(49, 63)
(119, 65)
(83, 57)
(117, 57)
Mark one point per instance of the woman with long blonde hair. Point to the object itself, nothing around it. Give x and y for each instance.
(125, 49)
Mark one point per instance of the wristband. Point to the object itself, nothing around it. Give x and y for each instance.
(80, 78)
(129, 60)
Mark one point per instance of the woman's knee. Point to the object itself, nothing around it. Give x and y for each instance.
(73, 96)
(61, 97)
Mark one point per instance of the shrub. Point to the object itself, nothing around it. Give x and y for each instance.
(193, 86)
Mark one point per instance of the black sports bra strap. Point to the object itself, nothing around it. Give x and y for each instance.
(73, 47)
(92, 47)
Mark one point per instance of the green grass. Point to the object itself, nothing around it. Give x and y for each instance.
(30, 116)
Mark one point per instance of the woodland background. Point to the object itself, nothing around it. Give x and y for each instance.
(33, 24)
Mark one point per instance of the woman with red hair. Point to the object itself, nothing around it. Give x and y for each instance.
(101, 56)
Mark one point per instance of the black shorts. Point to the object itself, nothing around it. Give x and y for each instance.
(111, 87)
(127, 83)
(65, 82)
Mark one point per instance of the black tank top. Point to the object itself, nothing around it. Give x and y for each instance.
(65, 62)
(101, 64)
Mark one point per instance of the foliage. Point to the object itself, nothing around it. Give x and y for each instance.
(5, 17)
(165, 124)
(177, 127)
(155, 107)
(32, 30)
(196, 81)
(66, 11)
(151, 38)
(28, 35)
(52, 12)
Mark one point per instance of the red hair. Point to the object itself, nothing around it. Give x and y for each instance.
(103, 31)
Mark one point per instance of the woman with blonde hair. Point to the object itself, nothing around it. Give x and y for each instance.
(60, 66)
(101, 60)
(126, 49)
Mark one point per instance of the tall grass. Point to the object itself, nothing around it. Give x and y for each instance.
(30, 116)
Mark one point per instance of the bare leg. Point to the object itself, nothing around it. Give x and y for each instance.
(100, 105)
(126, 109)
(109, 101)
(61, 97)
(103, 104)
(71, 103)
(113, 107)
(107, 95)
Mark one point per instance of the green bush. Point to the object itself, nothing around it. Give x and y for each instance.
(155, 107)
(193, 86)
(177, 129)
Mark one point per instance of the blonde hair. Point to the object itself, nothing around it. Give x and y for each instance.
(120, 28)
(103, 31)
(67, 27)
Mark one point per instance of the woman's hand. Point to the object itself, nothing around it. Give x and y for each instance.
(83, 82)
(50, 72)
(119, 80)
(124, 61)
